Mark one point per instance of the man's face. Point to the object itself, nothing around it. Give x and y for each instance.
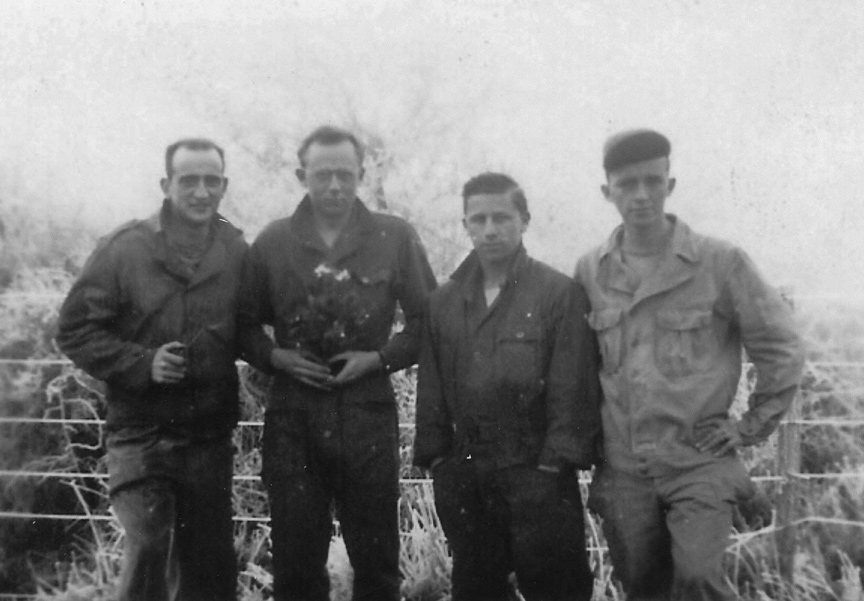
(495, 225)
(331, 177)
(639, 191)
(196, 186)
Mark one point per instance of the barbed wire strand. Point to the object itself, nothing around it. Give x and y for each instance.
(413, 481)
(840, 421)
(12, 361)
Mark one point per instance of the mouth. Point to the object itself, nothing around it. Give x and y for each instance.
(491, 247)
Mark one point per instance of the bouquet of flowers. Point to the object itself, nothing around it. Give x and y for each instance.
(331, 320)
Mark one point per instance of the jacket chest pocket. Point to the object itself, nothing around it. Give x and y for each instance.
(610, 334)
(684, 342)
(518, 357)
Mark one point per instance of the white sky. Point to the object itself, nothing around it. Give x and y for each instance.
(762, 103)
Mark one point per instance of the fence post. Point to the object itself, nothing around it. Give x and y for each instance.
(789, 464)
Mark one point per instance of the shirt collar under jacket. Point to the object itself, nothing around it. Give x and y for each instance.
(468, 274)
(681, 244)
(680, 264)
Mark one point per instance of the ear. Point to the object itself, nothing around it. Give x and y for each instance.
(465, 224)
(671, 185)
(165, 183)
(526, 219)
(224, 185)
(605, 190)
(301, 175)
(361, 174)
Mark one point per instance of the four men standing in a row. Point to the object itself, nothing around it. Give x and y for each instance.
(512, 384)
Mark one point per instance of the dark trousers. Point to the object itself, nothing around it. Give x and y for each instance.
(667, 535)
(342, 456)
(517, 520)
(172, 495)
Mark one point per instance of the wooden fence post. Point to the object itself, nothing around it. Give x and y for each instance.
(789, 464)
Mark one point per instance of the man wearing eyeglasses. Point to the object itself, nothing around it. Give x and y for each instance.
(331, 431)
(153, 315)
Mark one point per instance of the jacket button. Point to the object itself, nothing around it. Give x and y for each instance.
(327, 433)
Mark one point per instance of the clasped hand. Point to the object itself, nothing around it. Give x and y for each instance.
(168, 367)
(313, 372)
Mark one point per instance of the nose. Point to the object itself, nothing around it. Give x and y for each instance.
(334, 184)
(201, 190)
(641, 191)
(490, 230)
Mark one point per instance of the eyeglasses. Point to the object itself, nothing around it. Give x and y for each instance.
(191, 182)
(325, 176)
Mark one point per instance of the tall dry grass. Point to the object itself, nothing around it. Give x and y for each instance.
(85, 560)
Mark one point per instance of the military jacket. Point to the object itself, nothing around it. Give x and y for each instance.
(672, 348)
(518, 379)
(132, 297)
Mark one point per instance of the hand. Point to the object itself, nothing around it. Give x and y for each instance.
(357, 365)
(718, 436)
(305, 368)
(169, 367)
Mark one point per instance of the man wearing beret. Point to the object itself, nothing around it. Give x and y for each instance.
(673, 310)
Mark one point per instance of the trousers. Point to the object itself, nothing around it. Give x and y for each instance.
(667, 535)
(518, 519)
(172, 496)
(333, 456)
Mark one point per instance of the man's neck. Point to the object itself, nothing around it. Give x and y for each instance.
(495, 272)
(330, 228)
(647, 241)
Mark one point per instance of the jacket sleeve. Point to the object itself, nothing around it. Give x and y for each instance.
(434, 433)
(573, 393)
(255, 310)
(89, 321)
(772, 343)
(414, 282)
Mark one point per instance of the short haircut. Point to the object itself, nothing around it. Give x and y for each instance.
(496, 183)
(191, 144)
(329, 135)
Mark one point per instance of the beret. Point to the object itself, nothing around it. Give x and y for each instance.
(634, 146)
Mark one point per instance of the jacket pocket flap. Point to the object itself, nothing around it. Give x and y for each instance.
(683, 319)
(604, 319)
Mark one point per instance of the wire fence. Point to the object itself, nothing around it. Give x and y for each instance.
(789, 476)
(585, 478)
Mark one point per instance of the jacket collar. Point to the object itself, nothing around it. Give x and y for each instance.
(214, 260)
(359, 227)
(469, 272)
(679, 266)
(681, 244)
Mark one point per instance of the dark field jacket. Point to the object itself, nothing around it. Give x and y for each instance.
(132, 298)
(521, 381)
(382, 252)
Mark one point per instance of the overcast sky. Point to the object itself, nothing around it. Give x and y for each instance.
(762, 103)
